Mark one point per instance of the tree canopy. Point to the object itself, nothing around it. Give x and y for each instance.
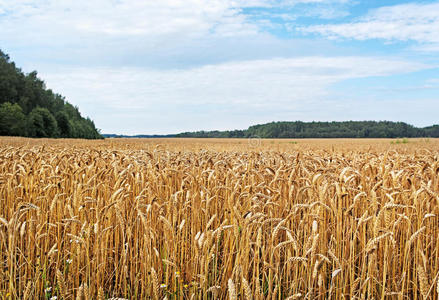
(348, 129)
(28, 108)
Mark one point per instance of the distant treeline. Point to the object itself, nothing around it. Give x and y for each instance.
(27, 108)
(139, 136)
(348, 129)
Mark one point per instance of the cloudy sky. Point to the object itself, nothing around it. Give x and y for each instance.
(168, 66)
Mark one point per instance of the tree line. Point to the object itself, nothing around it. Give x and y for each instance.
(28, 108)
(347, 129)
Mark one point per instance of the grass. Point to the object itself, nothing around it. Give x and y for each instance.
(402, 141)
(197, 219)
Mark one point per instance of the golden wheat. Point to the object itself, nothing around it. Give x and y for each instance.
(194, 219)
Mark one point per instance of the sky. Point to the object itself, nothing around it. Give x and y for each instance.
(170, 66)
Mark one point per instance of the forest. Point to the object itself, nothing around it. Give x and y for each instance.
(28, 108)
(346, 129)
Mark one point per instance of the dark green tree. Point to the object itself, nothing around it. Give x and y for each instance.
(12, 120)
(41, 123)
(347, 129)
(64, 126)
(29, 92)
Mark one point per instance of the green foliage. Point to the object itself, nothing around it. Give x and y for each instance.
(403, 141)
(41, 123)
(348, 129)
(29, 109)
(64, 126)
(12, 120)
(432, 131)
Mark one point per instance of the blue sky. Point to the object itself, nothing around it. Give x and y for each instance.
(170, 66)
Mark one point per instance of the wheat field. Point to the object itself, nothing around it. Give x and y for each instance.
(219, 219)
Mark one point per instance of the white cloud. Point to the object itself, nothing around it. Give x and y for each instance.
(125, 17)
(415, 21)
(247, 88)
(102, 32)
(193, 64)
(433, 47)
(190, 18)
(284, 3)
